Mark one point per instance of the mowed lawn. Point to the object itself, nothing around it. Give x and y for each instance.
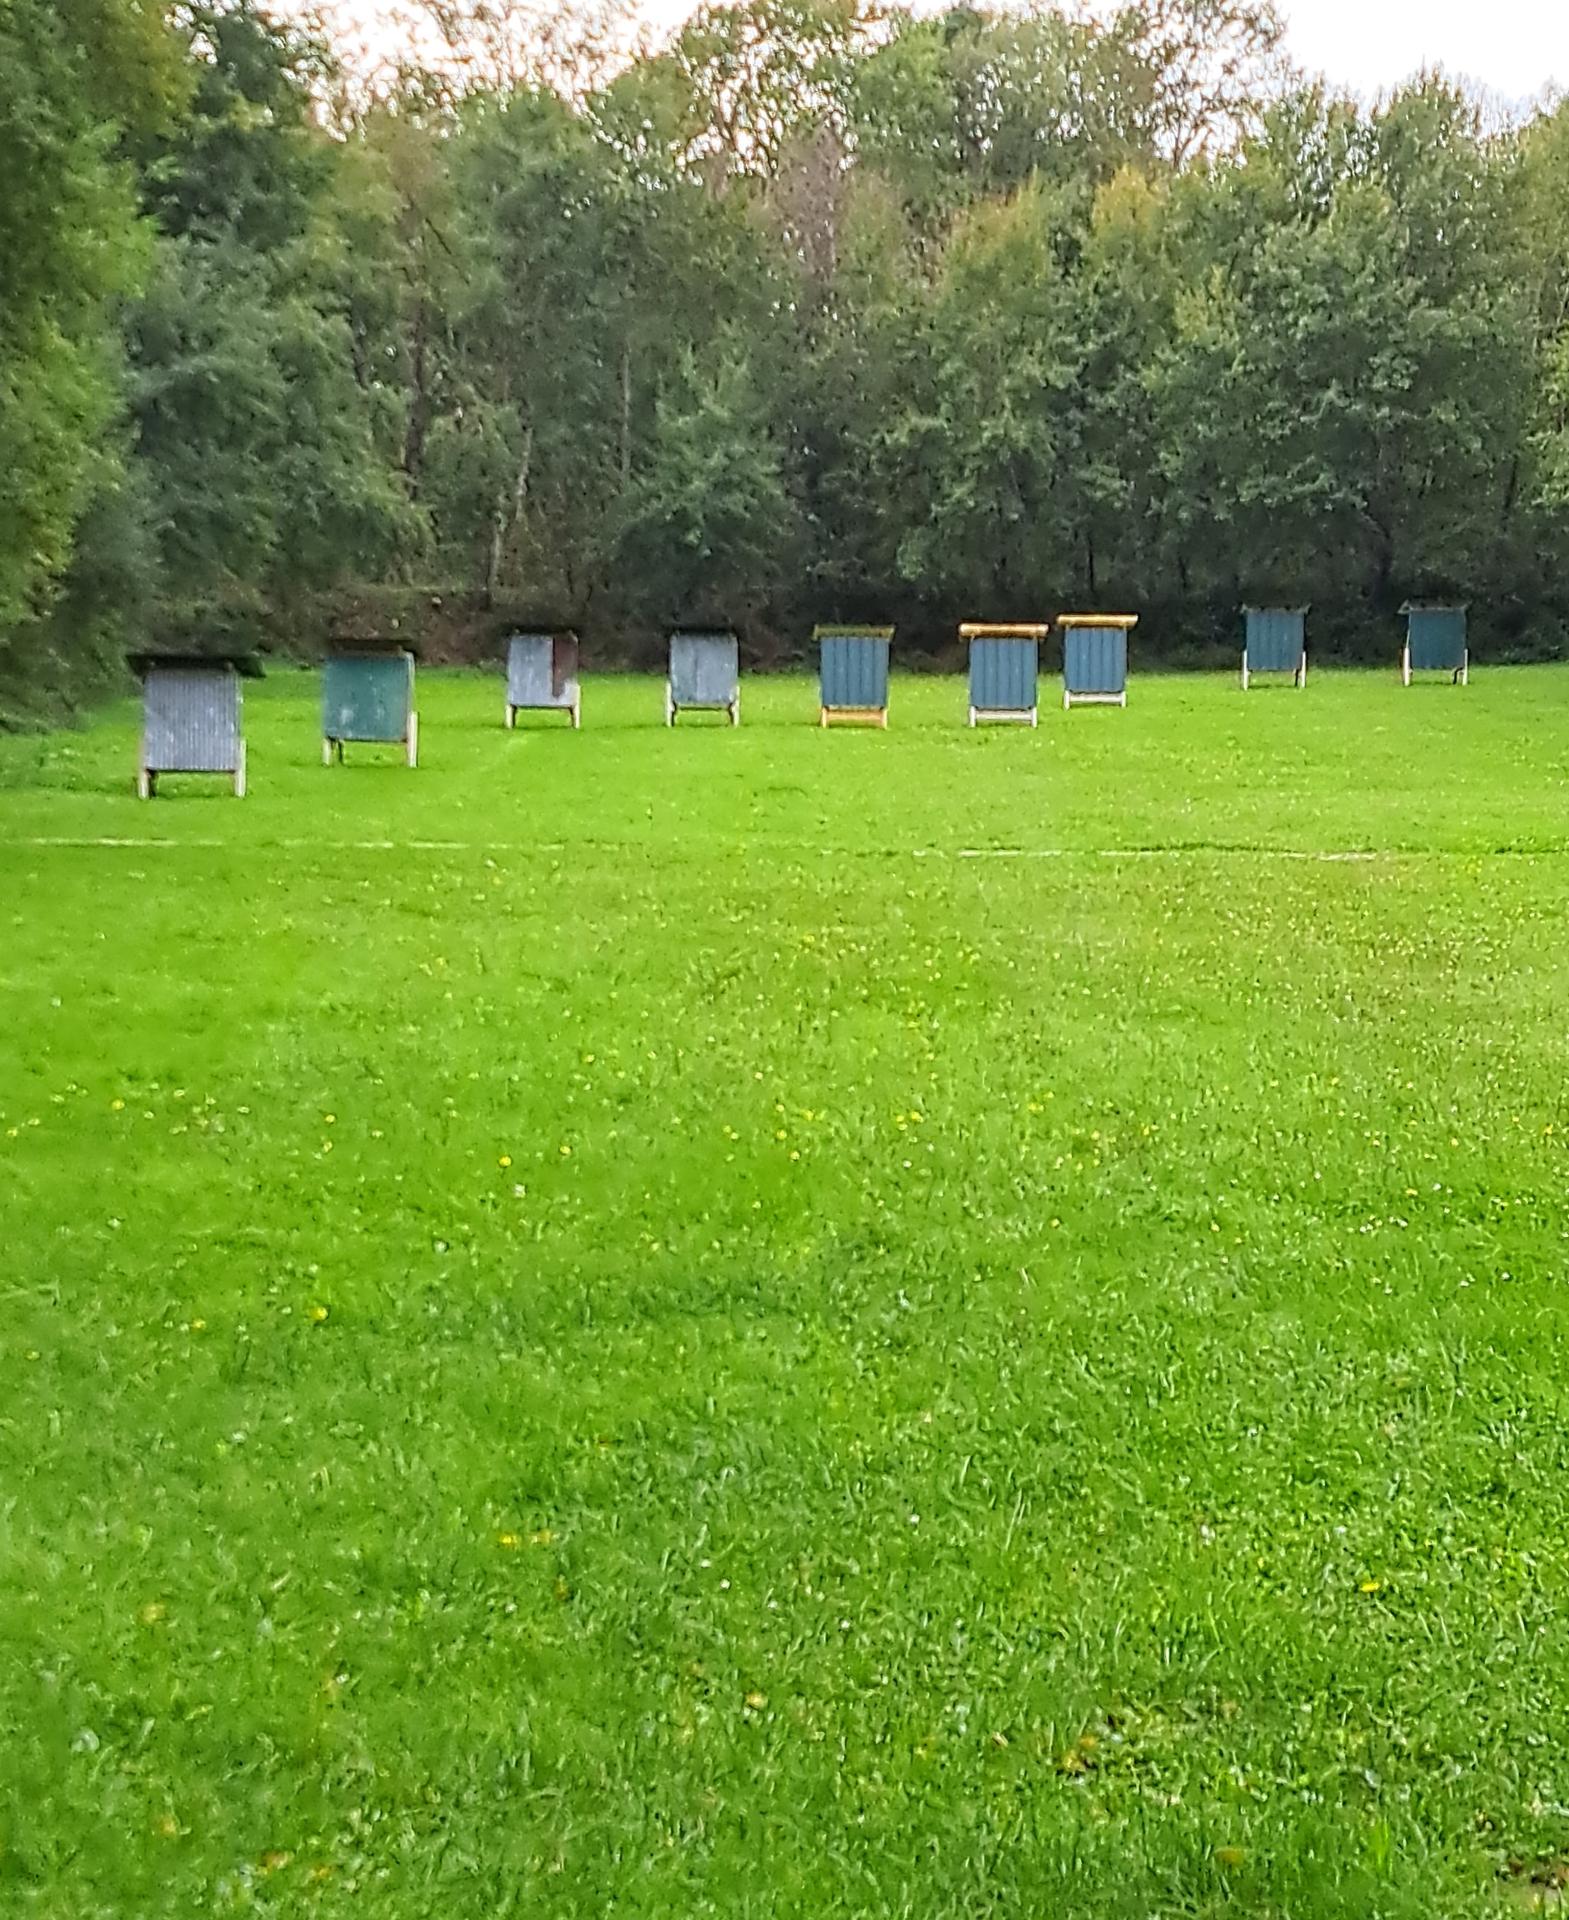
(780, 1323)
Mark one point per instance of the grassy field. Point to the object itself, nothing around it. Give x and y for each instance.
(772, 1323)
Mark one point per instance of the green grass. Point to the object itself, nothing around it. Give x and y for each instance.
(620, 1325)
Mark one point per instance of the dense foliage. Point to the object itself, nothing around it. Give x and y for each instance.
(809, 313)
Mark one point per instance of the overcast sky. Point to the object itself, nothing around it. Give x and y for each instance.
(1514, 48)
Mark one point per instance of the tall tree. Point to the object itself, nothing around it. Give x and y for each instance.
(1208, 66)
(708, 522)
(265, 441)
(79, 76)
(525, 456)
(991, 423)
(755, 73)
(1340, 391)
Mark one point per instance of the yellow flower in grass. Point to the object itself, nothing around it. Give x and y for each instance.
(505, 1160)
(318, 1315)
(511, 1541)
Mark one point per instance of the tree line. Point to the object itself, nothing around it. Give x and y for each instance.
(812, 313)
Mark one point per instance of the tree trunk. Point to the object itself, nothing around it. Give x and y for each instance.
(419, 401)
(1383, 562)
(509, 511)
(626, 412)
(1511, 493)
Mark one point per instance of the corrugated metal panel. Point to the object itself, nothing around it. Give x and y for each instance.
(705, 669)
(191, 720)
(1003, 675)
(367, 697)
(542, 670)
(1095, 659)
(855, 671)
(1275, 639)
(1438, 638)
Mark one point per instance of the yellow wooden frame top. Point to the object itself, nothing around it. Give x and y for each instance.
(980, 630)
(1123, 620)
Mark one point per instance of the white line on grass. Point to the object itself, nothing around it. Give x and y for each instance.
(139, 845)
(245, 846)
(1149, 853)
